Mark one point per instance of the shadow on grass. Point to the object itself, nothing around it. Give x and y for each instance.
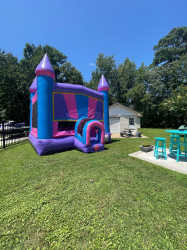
(113, 141)
(26, 141)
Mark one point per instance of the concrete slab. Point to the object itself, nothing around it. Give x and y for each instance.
(170, 163)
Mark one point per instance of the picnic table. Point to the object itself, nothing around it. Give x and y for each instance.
(127, 132)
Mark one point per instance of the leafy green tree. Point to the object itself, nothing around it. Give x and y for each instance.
(105, 65)
(33, 55)
(156, 91)
(177, 105)
(126, 77)
(27, 66)
(69, 74)
(16, 78)
(137, 92)
(135, 96)
(64, 71)
(171, 47)
(9, 86)
(170, 60)
(166, 74)
(126, 73)
(177, 72)
(148, 119)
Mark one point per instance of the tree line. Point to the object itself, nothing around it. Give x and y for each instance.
(157, 91)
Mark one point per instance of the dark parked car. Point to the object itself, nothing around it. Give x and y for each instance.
(15, 129)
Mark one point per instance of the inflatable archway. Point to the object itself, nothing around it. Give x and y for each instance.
(100, 134)
(89, 131)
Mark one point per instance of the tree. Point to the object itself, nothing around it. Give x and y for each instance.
(105, 65)
(126, 76)
(171, 47)
(64, 71)
(9, 86)
(135, 96)
(166, 74)
(69, 74)
(136, 93)
(27, 66)
(177, 71)
(171, 60)
(16, 78)
(33, 55)
(177, 105)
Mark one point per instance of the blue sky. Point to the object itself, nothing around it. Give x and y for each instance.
(81, 29)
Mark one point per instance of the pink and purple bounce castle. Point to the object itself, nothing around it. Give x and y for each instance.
(67, 116)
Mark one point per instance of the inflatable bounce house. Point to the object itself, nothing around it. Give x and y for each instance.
(66, 116)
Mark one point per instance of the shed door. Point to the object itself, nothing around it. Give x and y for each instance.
(114, 125)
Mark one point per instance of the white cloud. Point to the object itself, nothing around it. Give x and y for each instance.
(92, 64)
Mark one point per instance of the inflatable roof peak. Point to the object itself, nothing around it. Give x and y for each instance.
(33, 87)
(45, 65)
(103, 85)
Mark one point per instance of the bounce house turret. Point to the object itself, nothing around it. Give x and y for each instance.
(45, 76)
(104, 89)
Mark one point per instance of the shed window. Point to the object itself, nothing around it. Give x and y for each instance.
(131, 121)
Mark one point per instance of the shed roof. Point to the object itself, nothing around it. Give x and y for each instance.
(125, 108)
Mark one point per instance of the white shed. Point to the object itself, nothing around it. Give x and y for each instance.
(122, 118)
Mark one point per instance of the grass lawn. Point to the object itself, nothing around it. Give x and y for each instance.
(73, 200)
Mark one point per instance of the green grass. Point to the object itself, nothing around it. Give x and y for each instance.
(49, 202)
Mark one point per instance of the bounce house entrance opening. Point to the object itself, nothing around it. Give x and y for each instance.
(95, 135)
(81, 125)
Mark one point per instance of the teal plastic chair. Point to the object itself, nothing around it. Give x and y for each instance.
(160, 147)
(173, 143)
(178, 145)
(182, 147)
